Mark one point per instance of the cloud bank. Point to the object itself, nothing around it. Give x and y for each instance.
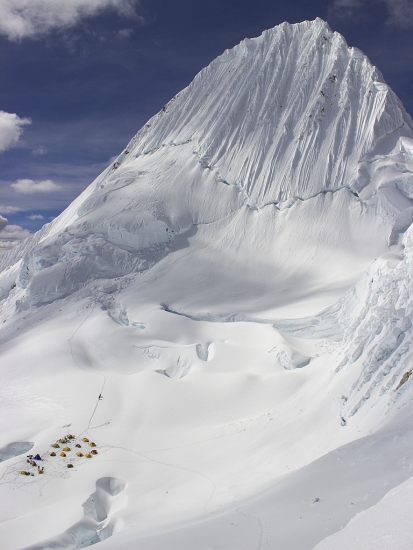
(9, 209)
(11, 127)
(29, 187)
(400, 11)
(31, 18)
(11, 235)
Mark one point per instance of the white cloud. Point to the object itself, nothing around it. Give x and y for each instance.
(39, 150)
(35, 217)
(30, 18)
(29, 187)
(9, 209)
(11, 235)
(10, 127)
(125, 33)
(14, 232)
(400, 11)
(3, 223)
(348, 3)
(7, 245)
(344, 9)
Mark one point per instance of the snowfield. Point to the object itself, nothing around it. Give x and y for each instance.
(226, 314)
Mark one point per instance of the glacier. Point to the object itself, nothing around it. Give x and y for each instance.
(237, 285)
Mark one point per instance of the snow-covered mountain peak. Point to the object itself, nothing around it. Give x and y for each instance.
(237, 285)
(290, 118)
(288, 114)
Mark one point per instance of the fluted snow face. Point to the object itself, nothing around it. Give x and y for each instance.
(291, 120)
(287, 114)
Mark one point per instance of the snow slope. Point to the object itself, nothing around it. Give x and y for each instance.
(238, 286)
(388, 525)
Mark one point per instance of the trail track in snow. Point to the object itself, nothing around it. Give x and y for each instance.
(142, 454)
(260, 524)
(80, 366)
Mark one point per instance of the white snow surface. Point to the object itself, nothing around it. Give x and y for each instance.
(386, 526)
(238, 286)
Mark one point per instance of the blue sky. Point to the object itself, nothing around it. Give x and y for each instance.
(80, 77)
